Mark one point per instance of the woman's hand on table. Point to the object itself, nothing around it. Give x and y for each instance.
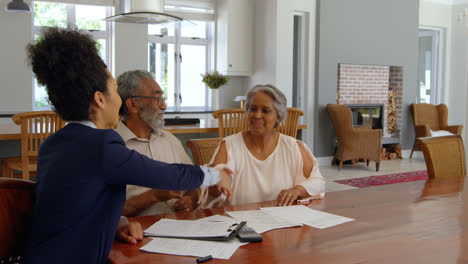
(289, 196)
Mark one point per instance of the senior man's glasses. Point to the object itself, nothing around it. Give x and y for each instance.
(161, 100)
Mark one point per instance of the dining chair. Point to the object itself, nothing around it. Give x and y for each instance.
(203, 149)
(230, 121)
(444, 156)
(427, 118)
(16, 207)
(234, 120)
(290, 124)
(35, 128)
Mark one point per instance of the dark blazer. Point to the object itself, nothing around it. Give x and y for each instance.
(81, 184)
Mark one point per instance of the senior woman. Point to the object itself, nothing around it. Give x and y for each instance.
(268, 165)
(83, 168)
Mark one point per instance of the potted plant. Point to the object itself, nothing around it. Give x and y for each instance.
(214, 80)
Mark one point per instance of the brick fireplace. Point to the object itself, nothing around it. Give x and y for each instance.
(371, 85)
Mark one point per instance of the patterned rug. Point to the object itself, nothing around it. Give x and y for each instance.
(386, 179)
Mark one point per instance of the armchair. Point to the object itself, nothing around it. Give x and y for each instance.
(354, 143)
(444, 156)
(427, 117)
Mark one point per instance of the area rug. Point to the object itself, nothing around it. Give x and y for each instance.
(386, 179)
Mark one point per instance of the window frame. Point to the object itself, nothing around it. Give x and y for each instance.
(177, 40)
(71, 23)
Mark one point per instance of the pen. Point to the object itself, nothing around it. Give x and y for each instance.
(308, 199)
(204, 259)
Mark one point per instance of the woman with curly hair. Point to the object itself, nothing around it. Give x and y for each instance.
(83, 168)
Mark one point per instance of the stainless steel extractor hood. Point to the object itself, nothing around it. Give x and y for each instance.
(143, 12)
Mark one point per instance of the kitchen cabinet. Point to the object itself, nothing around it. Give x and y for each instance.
(234, 37)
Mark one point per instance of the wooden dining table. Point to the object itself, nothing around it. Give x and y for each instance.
(414, 222)
(13, 131)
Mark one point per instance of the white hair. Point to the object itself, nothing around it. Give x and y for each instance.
(279, 99)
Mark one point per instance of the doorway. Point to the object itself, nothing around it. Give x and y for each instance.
(430, 66)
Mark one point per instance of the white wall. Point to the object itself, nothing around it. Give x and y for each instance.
(284, 55)
(458, 75)
(15, 74)
(264, 69)
(274, 21)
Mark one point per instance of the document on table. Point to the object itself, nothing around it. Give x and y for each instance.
(262, 221)
(188, 228)
(306, 215)
(197, 248)
(219, 218)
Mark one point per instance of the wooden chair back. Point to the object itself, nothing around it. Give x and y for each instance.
(16, 207)
(289, 125)
(35, 128)
(203, 149)
(444, 156)
(230, 121)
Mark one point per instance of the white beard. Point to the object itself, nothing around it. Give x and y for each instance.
(152, 117)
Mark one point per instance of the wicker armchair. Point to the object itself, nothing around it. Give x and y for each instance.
(444, 156)
(16, 208)
(203, 149)
(354, 143)
(427, 117)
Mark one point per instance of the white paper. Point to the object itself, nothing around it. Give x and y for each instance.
(261, 221)
(197, 248)
(307, 216)
(189, 228)
(219, 218)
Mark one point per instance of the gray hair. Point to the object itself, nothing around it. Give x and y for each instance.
(130, 85)
(278, 97)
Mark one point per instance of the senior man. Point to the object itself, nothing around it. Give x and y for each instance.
(142, 110)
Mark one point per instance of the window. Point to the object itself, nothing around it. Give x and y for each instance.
(84, 17)
(178, 54)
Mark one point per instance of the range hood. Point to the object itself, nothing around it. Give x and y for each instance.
(143, 12)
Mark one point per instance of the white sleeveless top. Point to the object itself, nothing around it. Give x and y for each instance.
(256, 180)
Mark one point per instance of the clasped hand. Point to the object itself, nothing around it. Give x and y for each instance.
(130, 232)
(225, 183)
